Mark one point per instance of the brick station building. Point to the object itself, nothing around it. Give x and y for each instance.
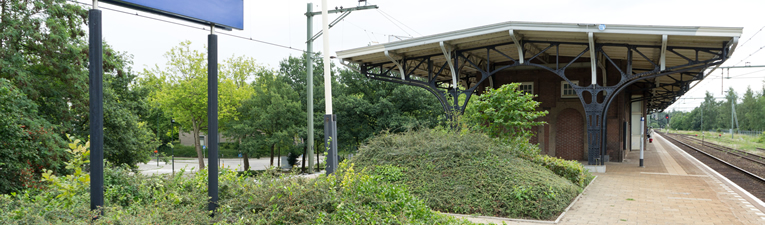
(595, 80)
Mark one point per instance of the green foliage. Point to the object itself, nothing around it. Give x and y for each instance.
(504, 112)
(28, 144)
(74, 183)
(367, 107)
(389, 173)
(180, 89)
(468, 173)
(569, 169)
(272, 116)
(714, 115)
(43, 54)
(349, 197)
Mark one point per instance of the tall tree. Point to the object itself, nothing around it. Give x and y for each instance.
(747, 112)
(273, 115)
(294, 72)
(240, 70)
(44, 53)
(181, 91)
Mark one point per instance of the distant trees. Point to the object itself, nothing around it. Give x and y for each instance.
(750, 110)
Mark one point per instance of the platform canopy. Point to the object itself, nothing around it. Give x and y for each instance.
(653, 49)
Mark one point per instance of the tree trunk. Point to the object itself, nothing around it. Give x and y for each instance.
(200, 154)
(244, 155)
(246, 161)
(305, 151)
(279, 157)
(317, 161)
(272, 154)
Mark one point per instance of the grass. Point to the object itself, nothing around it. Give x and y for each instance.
(740, 142)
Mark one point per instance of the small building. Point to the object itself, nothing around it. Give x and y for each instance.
(187, 138)
(595, 80)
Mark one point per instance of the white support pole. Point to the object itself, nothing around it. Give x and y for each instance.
(327, 72)
(642, 139)
(390, 56)
(593, 59)
(663, 57)
(448, 56)
(518, 46)
(95, 4)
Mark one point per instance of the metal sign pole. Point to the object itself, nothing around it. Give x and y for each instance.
(212, 118)
(642, 139)
(96, 117)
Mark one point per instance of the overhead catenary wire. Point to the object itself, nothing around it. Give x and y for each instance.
(191, 26)
(394, 23)
(750, 38)
(750, 55)
(381, 11)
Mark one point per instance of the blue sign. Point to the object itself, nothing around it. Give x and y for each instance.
(225, 14)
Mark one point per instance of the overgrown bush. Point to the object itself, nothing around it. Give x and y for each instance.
(28, 142)
(504, 112)
(468, 173)
(350, 197)
(569, 169)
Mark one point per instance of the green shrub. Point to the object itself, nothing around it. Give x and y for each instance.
(28, 142)
(468, 173)
(569, 169)
(349, 197)
(504, 112)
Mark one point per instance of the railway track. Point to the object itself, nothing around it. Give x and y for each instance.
(745, 173)
(743, 154)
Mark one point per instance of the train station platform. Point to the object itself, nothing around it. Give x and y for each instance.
(672, 188)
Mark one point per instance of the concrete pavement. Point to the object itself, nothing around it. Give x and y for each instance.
(192, 164)
(672, 188)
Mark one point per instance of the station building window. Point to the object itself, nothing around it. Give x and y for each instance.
(527, 87)
(567, 91)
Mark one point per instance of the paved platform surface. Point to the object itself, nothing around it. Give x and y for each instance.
(672, 188)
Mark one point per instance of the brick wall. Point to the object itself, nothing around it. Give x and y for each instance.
(569, 140)
(566, 133)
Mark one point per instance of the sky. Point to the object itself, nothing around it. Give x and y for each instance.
(283, 23)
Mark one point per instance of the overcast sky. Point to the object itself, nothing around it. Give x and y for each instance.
(283, 22)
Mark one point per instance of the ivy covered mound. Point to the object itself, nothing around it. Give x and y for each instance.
(471, 173)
